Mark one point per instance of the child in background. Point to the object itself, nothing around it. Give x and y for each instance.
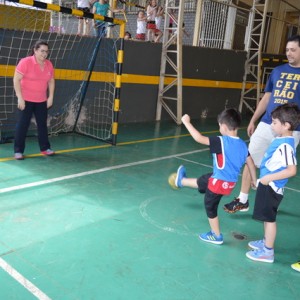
(141, 26)
(101, 8)
(83, 23)
(158, 19)
(278, 164)
(230, 153)
(151, 14)
(127, 35)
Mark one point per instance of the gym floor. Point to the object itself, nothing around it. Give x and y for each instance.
(101, 222)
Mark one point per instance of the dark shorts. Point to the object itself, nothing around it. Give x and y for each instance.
(266, 204)
(84, 9)
(211, 199)
(202, 182)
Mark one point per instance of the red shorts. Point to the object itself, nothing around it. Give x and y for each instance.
(140, 36)
(220, 187)
(151, 25)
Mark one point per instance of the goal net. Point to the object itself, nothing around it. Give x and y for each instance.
(87, 67)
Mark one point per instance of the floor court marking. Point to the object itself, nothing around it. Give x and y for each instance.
(57, 179)
(34, 290)
(145, 215)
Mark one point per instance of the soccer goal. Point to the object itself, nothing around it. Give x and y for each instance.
(88, 67)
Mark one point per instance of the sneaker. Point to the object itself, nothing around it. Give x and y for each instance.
(181, 173)
(261, 255)
(19, 156)
(256, 245)
(48, 152)
(296, 266)
(211, 237)
(235, 206)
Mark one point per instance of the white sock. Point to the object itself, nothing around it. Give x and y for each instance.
(243, 197)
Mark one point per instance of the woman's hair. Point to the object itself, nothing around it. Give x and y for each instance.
(36, 46)
(231, 118)
(289, 113)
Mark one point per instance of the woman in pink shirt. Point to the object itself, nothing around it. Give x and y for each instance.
(34, 86)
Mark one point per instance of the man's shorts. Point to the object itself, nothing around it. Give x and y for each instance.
(261, 140)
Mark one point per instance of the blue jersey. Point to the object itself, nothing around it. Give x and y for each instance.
(229, 155)
(284, 86)
(280, 154)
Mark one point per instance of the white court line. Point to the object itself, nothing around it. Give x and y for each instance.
(23, 281)
(42, 182)
(15, 274)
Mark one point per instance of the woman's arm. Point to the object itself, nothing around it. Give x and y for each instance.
(51, 87)
(17, 86)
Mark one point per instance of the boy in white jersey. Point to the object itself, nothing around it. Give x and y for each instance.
(230, 153)
(278, 164)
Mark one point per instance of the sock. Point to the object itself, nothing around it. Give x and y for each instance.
(268, 250)
(243, 197)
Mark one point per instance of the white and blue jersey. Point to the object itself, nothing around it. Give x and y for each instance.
(280, 154)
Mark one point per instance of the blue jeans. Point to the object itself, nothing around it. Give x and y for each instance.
(40, 111)
(101, 29)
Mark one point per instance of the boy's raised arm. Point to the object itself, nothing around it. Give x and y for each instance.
(197, 136)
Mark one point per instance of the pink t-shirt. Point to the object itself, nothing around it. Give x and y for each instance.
(34, 84)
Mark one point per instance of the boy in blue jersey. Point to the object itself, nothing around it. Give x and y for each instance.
(278, 164)
(230, 153)
(283, 86)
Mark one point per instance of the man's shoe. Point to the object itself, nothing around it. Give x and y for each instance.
(296, 266)
(235, 206)
(48, 152)
(261, 255)
(181, 173)
(256, 245)
(211, 237)
(19, 156)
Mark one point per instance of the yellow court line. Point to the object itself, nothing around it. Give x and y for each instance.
(79, 75)
(108, 145)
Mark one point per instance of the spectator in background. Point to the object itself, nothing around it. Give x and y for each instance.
(141, 26)
(127, 35)
(151, 11)
(83, 23)
(101, 8)
(158, 19)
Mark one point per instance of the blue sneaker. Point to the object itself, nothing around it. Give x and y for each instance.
(262, 255)
(256, 245)
(211, 237)
(181, 173)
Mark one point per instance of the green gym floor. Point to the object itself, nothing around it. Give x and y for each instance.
(101, 222)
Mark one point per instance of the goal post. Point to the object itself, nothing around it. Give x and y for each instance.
(88, 69)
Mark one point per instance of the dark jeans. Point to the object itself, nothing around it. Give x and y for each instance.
(39, 110)
(101, 29)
